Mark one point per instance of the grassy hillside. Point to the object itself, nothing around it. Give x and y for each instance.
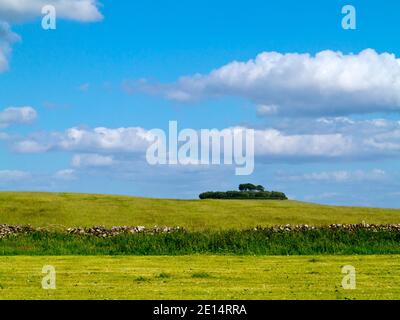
(45, 209)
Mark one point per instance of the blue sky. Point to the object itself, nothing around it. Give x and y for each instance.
(117, 64)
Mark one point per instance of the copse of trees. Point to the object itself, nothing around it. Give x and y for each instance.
(250, 187)
(246, 191)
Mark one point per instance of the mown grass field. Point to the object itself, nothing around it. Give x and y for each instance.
(200, 277)
(46, 209)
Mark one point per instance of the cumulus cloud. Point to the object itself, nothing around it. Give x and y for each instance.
(331, 138)
(274, 143)
(13, 115)
(328, 83)
(323, 138)
(268, 142)
(103, 140)
(92, 160)
(22, 10)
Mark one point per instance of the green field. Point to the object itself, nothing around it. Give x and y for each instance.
(200, 277)
(186, 265)
(46, 209)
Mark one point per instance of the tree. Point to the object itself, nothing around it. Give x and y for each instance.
(247, 187)
(260, 188)
(245, 195)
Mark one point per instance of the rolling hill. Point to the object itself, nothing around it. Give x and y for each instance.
(65, 209)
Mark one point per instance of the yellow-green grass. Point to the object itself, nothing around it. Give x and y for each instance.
(44, 209)
(200, 277)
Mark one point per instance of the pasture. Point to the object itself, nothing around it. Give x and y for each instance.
(215, 259)
(200, 277)
(63, 209)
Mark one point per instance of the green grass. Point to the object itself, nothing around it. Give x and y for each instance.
(200, 277)
(234, 242)
(215, 260)
(52, 209)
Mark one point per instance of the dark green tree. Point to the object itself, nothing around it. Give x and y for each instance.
(247, 187)
(260, 188)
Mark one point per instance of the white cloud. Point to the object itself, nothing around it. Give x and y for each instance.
(271, 142)
(30, 146)
(12, 115)
(268, 142)
(92, 160)
(321, 139)
(337, 176)
(103, 140)
(13, 175)
(7, 38)
(329, 83)
(22, 10)
(106, 139)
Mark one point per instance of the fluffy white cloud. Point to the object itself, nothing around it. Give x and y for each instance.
(337, 176)
(92, 160)
(269, 142)
(333, 138)
(324, 138)
(274, 143)
(79, 10)
(12, 115)
(103, 140)
(328, 83)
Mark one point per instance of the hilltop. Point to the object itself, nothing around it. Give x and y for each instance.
(66, 209)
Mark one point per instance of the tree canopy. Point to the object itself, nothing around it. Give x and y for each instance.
(246, 191)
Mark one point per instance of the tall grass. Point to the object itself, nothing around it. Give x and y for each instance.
(311, 242)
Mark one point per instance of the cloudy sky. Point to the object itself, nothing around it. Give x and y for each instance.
(77, 103)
